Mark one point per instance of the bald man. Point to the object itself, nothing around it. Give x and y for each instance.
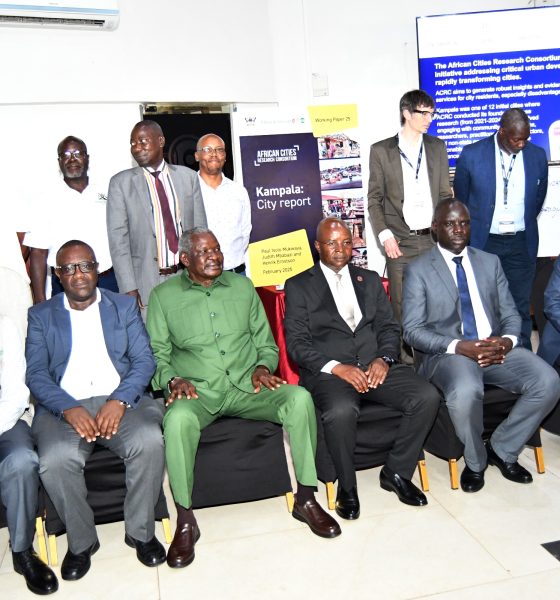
(503, 181)
(226, 202)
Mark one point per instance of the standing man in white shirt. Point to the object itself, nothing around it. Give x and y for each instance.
(72, 211)
(226, 202)
(408, 175)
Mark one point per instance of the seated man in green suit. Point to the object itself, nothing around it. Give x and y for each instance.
(216, 356)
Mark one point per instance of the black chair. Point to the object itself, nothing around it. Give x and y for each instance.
(443, 442)
(104, 473)
(240, 460)
(377, 428)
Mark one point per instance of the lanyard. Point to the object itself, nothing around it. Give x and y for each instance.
(409, 163)
(505, 176)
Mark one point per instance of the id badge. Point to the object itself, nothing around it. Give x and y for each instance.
(506, 224)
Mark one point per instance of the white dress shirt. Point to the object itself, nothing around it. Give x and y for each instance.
(90, 371)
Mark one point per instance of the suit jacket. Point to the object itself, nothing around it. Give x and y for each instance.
(130, 225)
(549, 347)
(386, 188)
(49, 342)
(317, 334)
(432, 308)
(475, 185)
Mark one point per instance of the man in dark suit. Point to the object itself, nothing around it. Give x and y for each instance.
(147, 210)
(503, 180)
(460, 318)
(408, 175)
(549, 346)
(88, 364)
(341, 331)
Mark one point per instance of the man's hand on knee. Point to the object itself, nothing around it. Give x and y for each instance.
(109, 417)
(84, 424)
(352, 375)
(484, 352)
(180, 387)
(262, 376)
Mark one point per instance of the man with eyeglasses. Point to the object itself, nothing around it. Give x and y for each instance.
(148, 208)
(408, 175)
(88, 364)
(76, 210)
(341, 332)
(226, 202)
(503, 180)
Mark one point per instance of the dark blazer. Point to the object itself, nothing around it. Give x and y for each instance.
(549, 347)
(475, 185)
(130, 225)
(386, 188)
(317, 334)
(432, 308)
(49, 342)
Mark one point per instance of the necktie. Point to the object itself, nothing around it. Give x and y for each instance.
(346, 303)
(170, 231)
(469, 322)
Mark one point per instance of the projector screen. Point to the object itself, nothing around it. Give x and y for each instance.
(477, 65)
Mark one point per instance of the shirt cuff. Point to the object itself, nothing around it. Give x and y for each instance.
(329, 366)
(451, 347)
(385, 235)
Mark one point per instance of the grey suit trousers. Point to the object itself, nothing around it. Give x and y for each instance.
(63, 454)
(462, 382)
(19, 484)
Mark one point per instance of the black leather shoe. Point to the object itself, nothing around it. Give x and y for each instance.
(347, 503)
(320, 523)
(38, 577)
(404, 488)
(512, 471)
(75, 566)
(150, 553)
(471, 481)
(181, 551)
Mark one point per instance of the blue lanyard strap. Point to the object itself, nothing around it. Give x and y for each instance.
(409, 163)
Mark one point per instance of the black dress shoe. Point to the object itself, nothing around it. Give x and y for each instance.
(471, 481)
(347, 503)
(38, 577)
(404, 488)
(320, 523)
(75, 566)
(150, 553)
(181, 551)
(512, 471)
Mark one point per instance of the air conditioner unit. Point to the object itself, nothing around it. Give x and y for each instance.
(80, 14)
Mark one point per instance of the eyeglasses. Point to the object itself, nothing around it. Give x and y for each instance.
(86, 266)
(67, 154)
(333, 244)
(211, 150)
(426, 113)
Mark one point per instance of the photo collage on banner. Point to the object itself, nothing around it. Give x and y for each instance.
(341, 188)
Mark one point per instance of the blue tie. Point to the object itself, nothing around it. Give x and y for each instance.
(469, 322)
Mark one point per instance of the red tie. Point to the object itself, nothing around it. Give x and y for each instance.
(170, 231)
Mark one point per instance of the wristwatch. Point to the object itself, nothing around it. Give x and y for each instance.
(390, 361)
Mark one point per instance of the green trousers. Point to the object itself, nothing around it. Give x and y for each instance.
(289, 405)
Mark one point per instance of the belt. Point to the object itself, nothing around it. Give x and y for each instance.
(420, 231)
(169, 270)
(239, 269)
(499, 235)
(109, 270)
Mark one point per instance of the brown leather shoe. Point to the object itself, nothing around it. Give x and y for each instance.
(181, 551)
(319, 521)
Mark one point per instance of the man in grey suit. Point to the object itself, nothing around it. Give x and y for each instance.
(408, 175)
(148, 208)
(460, 317)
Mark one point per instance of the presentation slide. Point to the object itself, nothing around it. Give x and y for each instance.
(477, 65)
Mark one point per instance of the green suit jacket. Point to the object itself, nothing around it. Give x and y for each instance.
(214, 337)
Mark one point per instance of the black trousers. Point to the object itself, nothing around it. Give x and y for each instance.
(339, 404)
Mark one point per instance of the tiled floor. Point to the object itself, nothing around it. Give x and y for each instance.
(481, 546)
